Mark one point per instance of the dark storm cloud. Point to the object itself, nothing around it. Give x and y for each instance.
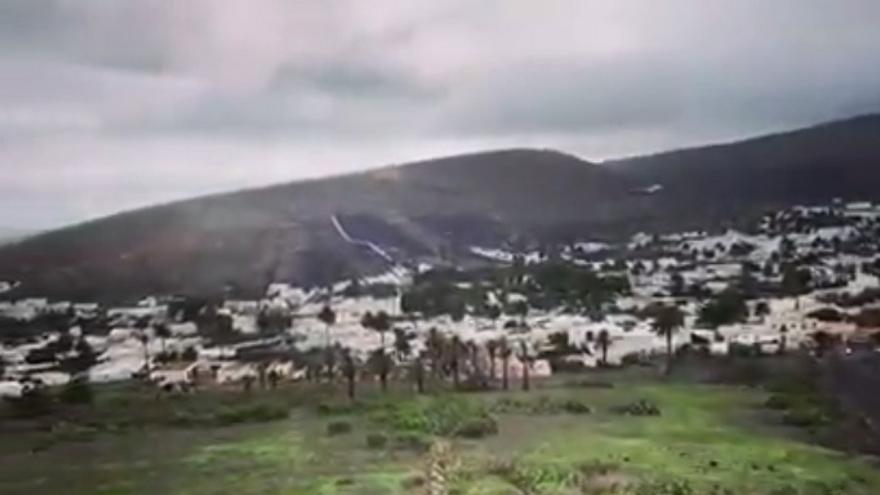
(107, 104)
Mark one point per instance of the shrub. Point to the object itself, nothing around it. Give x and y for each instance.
(443, 416)
(229, 415)
(376, 440)
(576, 407)
(412, 441)
(806, 417)
(336, 408)
(33, 403)
(543, 405)
(338, 427)
(477, 428)
(778, 401)
(641, 407)
(76, 391)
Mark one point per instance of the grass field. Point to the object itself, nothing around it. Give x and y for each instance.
(564, 437)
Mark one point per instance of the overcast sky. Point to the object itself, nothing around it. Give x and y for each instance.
(109, 105)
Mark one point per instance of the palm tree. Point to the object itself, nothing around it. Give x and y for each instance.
(455, 348)
(435, 345)
(667, 321)
(328, 317)
(504, 351)
(145, 343)
(349, 369)
(381, 324)
(418, 369)
(604, 341)
(525, 359)
(492, 350)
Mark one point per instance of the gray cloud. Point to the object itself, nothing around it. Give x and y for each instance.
(107, 105)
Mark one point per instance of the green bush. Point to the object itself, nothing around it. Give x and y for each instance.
(641, 407)
(443, 416)
(33, 403)
(477, 428)
(76, 391)
(576, 407)
(806, 417)
(250, 413)
(338, 427)
(337, 408)
(778, 401)
(541, 405)
(229, 415)
(412, 441)
(376, 440)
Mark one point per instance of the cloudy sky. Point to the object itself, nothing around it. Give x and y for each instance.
(109, 105)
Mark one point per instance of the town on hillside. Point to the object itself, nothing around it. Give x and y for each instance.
(804, 277)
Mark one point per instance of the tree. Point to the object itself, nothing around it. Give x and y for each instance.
(435, 345)
(676, 284)
(823, 342)
(525, 359)
(728, 307)
(162, 332)
(328, 317)
(493, 312)
(349, 369)
(795, 282)
(456, 346)
(762, 309)
(84, 358)
(492, 351)
(783, 338)
(381, 324)
(331, 352)
(667, 321)
(456, 310)
(521, 309)
(145, 343)
(418, 367)
(604, 341)
(402, 346)
(504, 351)
(380, 364)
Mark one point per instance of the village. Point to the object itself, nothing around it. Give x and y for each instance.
(799, 278)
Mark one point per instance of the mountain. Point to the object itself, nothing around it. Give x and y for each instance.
(8, 235)
(243, 240)
(813, 165)
(311, 232)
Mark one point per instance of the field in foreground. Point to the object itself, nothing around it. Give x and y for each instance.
(607, 433)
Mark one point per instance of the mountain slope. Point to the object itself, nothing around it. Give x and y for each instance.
(813, 165)
(241, 241)
(303, 232)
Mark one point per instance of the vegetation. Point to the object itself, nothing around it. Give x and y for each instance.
(564, 439)
(667, 321)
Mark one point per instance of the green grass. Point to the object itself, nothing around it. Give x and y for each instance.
(707, 439)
